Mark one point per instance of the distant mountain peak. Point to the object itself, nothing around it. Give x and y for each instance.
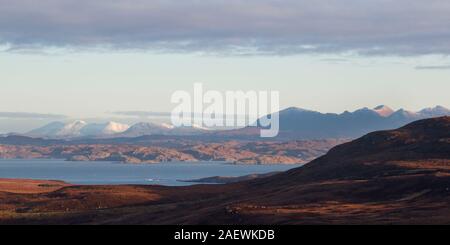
(146, 125)
(99, 129)
(441, 107)
(293, 108)
(296, 110)
(72, 129)
(77, 123)
(435, 111)
(47, 130)
(365, 111)
(116, 127)
(383, 110)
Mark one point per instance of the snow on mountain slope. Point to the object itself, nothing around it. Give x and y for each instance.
(72, 129)
(77, 129)
(143, 128)
(113, 127)
(435, 111)
(383, 110)
(99, 129)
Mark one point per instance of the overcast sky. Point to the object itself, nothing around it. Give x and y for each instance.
(83, 58)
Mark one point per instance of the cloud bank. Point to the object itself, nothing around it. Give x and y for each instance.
(433, 67)
(141, 113)
(30, 115)
(236, 27)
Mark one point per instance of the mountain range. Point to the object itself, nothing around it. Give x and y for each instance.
(295, 123)
(78, 129)
(307, 124)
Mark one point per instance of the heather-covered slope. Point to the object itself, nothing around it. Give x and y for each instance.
(378, 152)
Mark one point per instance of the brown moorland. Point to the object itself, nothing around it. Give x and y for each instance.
(25, 186)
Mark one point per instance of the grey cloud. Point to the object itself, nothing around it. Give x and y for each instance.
(141, 114)
(434, 67)
(334, 60)
(146, 114)
(28, 115)
(231, 27)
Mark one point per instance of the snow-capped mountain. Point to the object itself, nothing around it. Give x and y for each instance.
(77, 129)
(99, 129)
(72, 129)
(383, 110)
(435, 111)
(143, 128)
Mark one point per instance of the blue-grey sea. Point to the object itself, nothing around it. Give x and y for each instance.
(120, 173)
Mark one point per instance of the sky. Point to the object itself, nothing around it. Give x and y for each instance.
(67, 59)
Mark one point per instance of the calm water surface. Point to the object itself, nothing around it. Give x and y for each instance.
(120, 173)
